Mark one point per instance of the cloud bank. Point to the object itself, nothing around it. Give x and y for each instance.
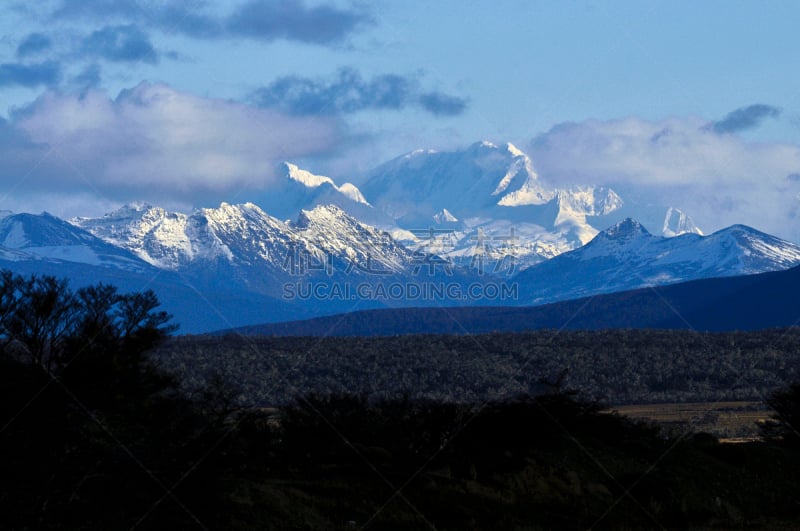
(348, 92)
(745, 118)
(151, 143)
(718, 177)
(30, 75)
(126, 43)
(33, 44)
(262, 20)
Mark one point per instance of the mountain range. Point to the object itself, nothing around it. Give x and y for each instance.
(425, 229)
(626, 256)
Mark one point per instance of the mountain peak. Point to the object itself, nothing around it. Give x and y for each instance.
(676, 222)
(486, 145)
(307, 178)
(320, 214)
(312, 181)
(136, 208)
(514, 150)
(626, 229)
(52, 238)
(444, 216)
(738, 227)
(483, 144)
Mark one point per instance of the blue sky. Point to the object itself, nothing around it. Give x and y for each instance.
(190, 103)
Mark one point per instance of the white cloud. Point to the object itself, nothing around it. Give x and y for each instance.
(720, 179)
(154, 143)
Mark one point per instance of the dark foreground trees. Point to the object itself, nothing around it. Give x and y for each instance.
(784, 426)
(45, 323)
(551, 461)
(92, 436)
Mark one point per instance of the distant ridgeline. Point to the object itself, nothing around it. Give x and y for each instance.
(751, 302)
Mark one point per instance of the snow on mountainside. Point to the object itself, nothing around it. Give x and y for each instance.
(677, 222)
(474, 215)
(249, 243)
(485, 182)
(416, 186)
(359, 246)
(38, 237)
(489, 189)
(444, 216)
(485, 200)
(236, 259)
(578, 203)
(484, 188)
(298, 190)
(236, 234)
(164, 239)
(310, 180)
(626, 256)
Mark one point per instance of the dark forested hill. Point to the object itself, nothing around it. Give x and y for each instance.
(750, 302)
(615, 366)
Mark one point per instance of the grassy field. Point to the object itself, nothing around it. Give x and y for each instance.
(730, 421)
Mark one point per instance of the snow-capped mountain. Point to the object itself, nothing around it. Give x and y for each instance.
(626, 256)
(496, 191)
(444, 217)
(245, 245)
(476, 215)
(676, 222)
(485, 200)
(173, 240)
(298, 189)
(46, 237)
(229, 266)
(46, 245)
(352, 243)
(414, 187)
(164, 239)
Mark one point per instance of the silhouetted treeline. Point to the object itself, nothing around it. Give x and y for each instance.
(616, 366)
(94, 436)
(546, 462)
(784, 426)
